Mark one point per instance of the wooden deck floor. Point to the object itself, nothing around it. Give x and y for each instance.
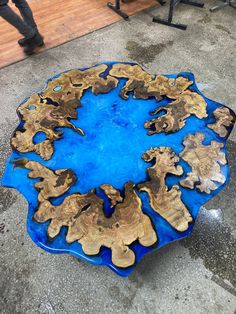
(60, 21)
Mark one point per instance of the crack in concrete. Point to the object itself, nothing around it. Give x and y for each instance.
(224, 285)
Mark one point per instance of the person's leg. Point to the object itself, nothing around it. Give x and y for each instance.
(27, 15)
(11, 17)
(25, 12)
(32, 39)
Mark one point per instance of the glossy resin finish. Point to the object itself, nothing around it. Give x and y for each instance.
(115, 162)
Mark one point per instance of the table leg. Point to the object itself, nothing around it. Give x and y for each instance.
(173, 3)
(116, 8)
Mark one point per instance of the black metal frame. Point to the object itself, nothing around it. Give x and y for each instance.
(116, 7)
(172, 6)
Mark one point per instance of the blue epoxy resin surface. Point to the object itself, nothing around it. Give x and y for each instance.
(111, 153)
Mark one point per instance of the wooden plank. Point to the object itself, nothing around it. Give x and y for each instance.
(60, 21)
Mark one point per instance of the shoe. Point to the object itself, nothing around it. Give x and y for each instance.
(31, 44)
(22, 41)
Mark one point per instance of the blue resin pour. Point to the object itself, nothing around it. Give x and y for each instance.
(110, 152)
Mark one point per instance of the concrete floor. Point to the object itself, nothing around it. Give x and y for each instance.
(195, 275)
